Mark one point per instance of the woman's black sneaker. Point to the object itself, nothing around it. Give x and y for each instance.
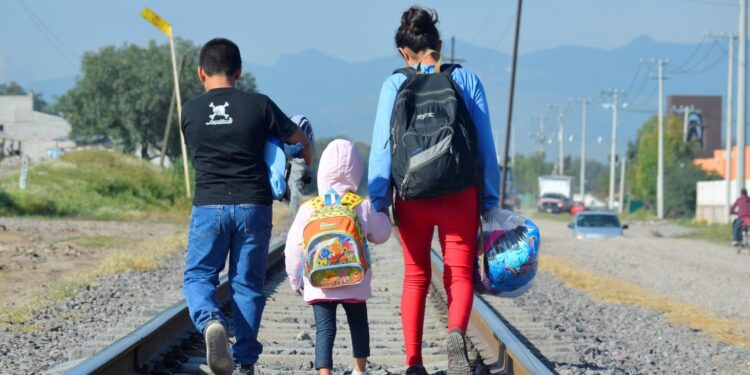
(458, 358)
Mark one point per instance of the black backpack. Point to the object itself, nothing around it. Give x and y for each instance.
(433, 138)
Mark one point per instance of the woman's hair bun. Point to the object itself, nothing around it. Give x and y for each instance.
(418, 30)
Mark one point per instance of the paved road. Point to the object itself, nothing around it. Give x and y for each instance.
(696, 272)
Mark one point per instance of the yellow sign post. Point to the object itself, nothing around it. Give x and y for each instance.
(166, 28)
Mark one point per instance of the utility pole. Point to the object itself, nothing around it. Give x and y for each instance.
(561, 139)
(728, 132)
(454, 59)
(622, 184)
(513, 149)
(613, 142)
(741, 95)
(541, 138)
(582, 181)
(660, 177)
(511, 95)
(660, 166)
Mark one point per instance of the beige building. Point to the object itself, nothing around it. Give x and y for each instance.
(31, 132)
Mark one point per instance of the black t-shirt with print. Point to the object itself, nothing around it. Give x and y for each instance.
(225, 131)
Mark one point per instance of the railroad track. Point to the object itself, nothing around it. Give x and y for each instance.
(168, 344)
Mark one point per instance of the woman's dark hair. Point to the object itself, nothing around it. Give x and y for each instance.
(418, 30)
(220, 56)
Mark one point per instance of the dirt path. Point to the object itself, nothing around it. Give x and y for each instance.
(691, 271)
(34, 252)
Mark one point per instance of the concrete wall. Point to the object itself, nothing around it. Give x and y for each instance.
(710, 200)
(36, 130)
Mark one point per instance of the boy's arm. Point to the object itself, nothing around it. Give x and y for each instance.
(298, 136)
(294, 258)
(284, 128)
(377, 224)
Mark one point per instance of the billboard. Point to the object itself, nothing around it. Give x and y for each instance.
(702, 124)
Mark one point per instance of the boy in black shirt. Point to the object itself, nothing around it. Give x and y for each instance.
(225, 130)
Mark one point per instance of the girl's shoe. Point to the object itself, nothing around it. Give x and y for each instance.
(458, 358)
(416, 370)
(355, 372)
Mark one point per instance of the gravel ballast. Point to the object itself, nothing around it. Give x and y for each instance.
(620, 339)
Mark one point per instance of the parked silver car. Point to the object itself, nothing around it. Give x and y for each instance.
(596, 224)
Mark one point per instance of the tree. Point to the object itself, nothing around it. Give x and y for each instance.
(680, 174)
(14, 88)
(124, 93)
(527, 171)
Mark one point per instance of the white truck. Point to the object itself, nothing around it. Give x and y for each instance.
(555, 194)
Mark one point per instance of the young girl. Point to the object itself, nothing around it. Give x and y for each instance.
(341, 168)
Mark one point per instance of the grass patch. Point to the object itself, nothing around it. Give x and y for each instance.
(614, 290)
(717, 233)
(94, 184)
(639, 215)
(145, 256)
(97, 241)
(563, 217)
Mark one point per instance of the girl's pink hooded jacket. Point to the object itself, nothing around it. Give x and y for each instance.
(341, 168)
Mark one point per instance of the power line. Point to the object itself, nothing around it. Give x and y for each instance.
(712, 65)
(692, 54)
(47, 33)
(682, 69)
(644, 79)
(719, 3)
(499, 41)
(487, 19)
(635, 77)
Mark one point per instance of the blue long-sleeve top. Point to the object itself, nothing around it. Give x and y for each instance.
(379, 175)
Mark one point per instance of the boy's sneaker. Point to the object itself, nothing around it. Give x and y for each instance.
(416, 370)
(458, 359)
(218, 355)
(244, 370)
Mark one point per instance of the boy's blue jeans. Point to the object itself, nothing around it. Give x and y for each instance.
(242, 231)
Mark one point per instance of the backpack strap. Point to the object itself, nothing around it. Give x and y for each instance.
(351, 200)
(408, 72)
(332, 198)
(317, 203)
(449, 68)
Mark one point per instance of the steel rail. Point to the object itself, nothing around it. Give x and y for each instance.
(132, 353)
(500, 349)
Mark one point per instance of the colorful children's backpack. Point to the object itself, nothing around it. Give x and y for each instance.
(334, 244)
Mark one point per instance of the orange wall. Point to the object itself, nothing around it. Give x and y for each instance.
(717, 164)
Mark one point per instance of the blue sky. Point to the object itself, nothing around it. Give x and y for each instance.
(350, 30)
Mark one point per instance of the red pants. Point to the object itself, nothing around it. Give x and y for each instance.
(457, 218)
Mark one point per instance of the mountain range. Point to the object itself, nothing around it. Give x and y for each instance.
(340, 97)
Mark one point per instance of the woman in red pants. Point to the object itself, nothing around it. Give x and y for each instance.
(432, 146)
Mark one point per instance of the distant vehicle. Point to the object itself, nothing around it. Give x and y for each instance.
(596, 224)
(555, 194)
(553, 203)
(577, 208)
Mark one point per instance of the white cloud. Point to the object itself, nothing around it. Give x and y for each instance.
(2, 69)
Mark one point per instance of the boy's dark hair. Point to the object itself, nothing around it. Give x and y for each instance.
(418, 30)
(220, 56)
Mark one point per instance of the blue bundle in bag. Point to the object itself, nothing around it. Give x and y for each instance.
(509, 244)
(275, 159)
